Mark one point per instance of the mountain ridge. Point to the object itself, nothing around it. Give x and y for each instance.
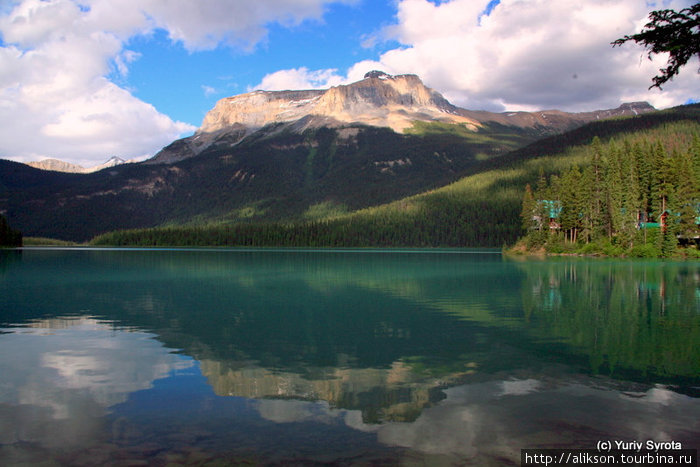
(481, 209)
(379, 99)
(56, 165)
(290, 171)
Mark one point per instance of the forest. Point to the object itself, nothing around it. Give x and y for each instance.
(633, 196)
(9, 237)
(483, 209)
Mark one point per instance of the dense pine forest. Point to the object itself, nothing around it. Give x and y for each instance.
(9, 237)
(638, 196)
(485, 209)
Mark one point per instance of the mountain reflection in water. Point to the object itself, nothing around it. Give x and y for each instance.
(351, 357)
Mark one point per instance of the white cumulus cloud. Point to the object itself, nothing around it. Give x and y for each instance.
(56, 56)
(300, 78)
(532, 54)
(525, 54)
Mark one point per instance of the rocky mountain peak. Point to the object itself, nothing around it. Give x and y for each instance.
(636, 107)
(56, 165)
(377, 74)
(379, 100)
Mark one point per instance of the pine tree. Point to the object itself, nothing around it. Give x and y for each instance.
(597, 201)
(661, 186)
(528, 210)
(588, 191)
(573, 203)
(631, 205)
(8, 235)
(686, 194)
(613, 186)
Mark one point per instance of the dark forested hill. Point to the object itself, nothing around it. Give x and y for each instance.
(277, 175)
(272, 175)
(481, 209)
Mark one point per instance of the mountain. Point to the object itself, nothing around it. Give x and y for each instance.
(479, 210)
(284, 156)
(378, 100)
(56, 165)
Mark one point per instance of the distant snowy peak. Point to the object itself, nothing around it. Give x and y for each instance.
(56, 165)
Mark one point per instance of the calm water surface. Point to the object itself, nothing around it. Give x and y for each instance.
(121, 357)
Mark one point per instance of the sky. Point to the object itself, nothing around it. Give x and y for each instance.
(85, 80)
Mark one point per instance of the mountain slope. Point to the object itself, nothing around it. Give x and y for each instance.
(482, 209)
(284, 175)
(330, 153)
(378, 100)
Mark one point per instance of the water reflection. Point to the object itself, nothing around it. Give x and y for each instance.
(633, 319)
(61, 376)
(276, 356)
(381, 395)
(493, 420)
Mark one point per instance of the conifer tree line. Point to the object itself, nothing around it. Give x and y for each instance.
(644, 160)
(638, 196)
(447, 224)
(9, 237)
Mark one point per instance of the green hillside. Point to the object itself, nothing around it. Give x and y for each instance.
(637, 196)
(481, 209)
(274, 175)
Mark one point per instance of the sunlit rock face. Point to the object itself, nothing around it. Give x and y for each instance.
(379, 100)
(258, 108)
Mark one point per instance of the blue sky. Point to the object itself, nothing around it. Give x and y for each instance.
(84, 80)
(195, 81)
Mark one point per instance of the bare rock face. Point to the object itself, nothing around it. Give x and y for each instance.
(56, 165)
(379, 99)
(259, 108)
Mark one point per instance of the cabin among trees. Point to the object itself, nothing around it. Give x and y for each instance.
(551, 211)
(642, 193)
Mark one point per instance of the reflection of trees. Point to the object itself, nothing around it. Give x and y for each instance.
(357, 331)
(7, 259)
(639, 316)
(337, 327)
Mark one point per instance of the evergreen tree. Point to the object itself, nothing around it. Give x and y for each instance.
(685, 195)
(597, 218)
(573, 203)
(588, 191)
(676, 33)
(623, 183)
(662, 176)
(631, 205)
(613, 187)
(9, 236)
(528, 210)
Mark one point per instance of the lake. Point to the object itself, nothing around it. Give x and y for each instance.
(448, 357)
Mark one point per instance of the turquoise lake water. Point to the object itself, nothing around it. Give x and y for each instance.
(428, 357)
